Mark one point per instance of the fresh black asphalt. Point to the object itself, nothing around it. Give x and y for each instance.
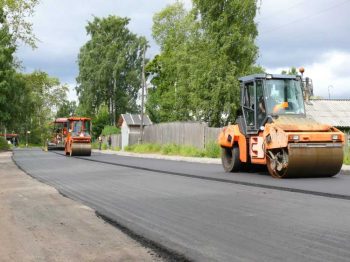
(203, 219)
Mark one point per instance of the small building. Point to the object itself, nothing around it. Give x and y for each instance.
(130, 127)
(335, 112)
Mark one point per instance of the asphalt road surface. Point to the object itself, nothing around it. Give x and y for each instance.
(203, 213)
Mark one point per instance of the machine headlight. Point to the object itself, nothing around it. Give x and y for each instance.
(295, 137)
(335, 137)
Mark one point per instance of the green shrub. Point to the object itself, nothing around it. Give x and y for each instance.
(110, 130)
(23, 145)
(129, 148)
(347, 156)
(4, 144)
(212, 149)
(116, 148)
(191, 151)
(104, 147)
(95, 145)
(170, 149)
(143, 148)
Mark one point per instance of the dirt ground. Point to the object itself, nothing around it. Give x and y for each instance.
(38, 224)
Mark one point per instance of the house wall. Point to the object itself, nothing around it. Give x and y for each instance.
(124, 135)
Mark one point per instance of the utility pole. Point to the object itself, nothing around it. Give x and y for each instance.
(143, 92)
(329, 91)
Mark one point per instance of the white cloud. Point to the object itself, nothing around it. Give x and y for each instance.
(330, 70)
(321, 26)
(72, 95)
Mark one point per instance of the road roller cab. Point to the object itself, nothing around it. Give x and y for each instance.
(272, 129)
(78, 139)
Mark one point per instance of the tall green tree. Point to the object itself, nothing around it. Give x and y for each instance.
(66, 109)
(8, 89)
(203, 52)
(110, 67)
(291, 71)
(17, 14)
(45, 95)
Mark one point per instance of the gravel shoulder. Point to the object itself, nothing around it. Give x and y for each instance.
(39, 224)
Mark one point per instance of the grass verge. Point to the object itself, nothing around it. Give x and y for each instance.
(346, 156)
(4, 144)
(211, 150)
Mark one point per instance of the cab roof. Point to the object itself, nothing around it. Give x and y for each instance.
(60, 120)
(263, 76)
(72, 118)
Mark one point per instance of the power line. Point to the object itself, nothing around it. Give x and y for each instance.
(281, 11)
(306, 17)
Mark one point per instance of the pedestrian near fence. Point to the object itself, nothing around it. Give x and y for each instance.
(99, 142)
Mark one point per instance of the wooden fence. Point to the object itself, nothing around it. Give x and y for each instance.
(115, 139)
(181, 133)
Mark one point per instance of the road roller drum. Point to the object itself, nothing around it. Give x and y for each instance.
(81, 149)
(306, 160)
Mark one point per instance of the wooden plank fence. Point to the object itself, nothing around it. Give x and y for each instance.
(181, 133)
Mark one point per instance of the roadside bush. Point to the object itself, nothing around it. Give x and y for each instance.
(212, 149)
(170, 149)
(3, 144)
(116, 148)
(346, 160)
(144, 148)
(94, 145)
(191, 151)
(110, 130)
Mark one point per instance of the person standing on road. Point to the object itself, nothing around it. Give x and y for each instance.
(109, 141)
(99, 142)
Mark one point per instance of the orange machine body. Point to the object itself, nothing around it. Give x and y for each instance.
(58, 135)
(273, 129)
(78, 139)
(252, 149)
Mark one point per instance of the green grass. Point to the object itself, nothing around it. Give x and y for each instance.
(95, 145)
(3, 144)
(21, 145)
(347, 156)
(143, 148)
(116, 148)
(212, 150)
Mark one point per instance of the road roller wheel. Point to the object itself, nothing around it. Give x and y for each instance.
(277, 162)
(230, 159)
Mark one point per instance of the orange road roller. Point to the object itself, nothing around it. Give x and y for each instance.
(272, 129)
(78, 139)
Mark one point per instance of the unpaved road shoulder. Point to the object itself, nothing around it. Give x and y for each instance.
(38, 224)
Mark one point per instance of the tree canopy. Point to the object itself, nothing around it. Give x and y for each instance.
(17, 13)
(9, 91)
(203, 52)
(110, 67)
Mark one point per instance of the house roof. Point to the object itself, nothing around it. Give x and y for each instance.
(134, 120)
(335, 112)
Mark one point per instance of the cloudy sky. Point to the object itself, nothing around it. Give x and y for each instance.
(314, 34)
